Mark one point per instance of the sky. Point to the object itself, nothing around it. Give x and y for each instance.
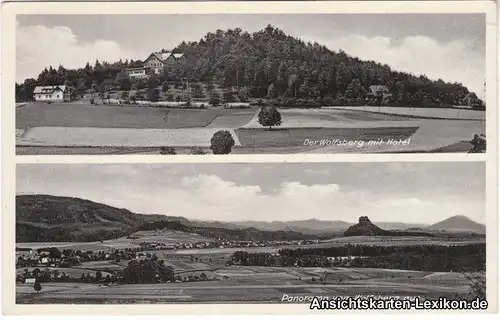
(447, 46)
(411, 192)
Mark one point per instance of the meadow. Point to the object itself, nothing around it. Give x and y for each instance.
(81, 128)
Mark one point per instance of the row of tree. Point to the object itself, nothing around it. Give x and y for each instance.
(267, 63)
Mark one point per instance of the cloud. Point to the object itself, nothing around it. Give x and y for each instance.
(209, 196)
(39, 46)
(456, 60)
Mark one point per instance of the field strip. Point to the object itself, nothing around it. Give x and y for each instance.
(120, 137)
(431, 135)
(295, 119)
(431, 113)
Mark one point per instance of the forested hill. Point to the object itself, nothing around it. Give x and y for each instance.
(272, 64)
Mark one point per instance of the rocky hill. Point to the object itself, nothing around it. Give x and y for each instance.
(366, 228)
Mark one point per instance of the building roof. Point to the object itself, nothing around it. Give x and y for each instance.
(377, 88)
(470, 95)
(162, 56)
(177, 55)
(48, 89)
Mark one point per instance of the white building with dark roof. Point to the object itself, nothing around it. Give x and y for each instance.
(52, 93)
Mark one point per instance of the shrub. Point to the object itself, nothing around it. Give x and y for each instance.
(214, 99)
(222, 142)
(243, 94)
(327, 101)
(37, 287)
(478, 144)
(477, 287)
(167, 150)
(197, 151)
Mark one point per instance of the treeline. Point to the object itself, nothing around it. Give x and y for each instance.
(163, 224)
(268, 64)
(371, 251)
(249, 234)
(420, 257)
(31, 233)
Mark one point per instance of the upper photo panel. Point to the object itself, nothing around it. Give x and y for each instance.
(195, 84)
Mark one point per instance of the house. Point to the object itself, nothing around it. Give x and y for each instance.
(157, 61)
(30, 280)
(52, 93)
(45, 260)
(471, 100)
(378, 94)
(137, 73)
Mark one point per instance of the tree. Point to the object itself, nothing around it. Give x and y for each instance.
(203, 276)
(167, 150)
(37, 287)
(122, 81)
(272, 92)
(140, 84)
(98, 275)
(269, 116)
(197, 90)
(243, 94)
(165, 86)
(125, 95)
(222, 142)
(154, 95)
(478, 144)
(197, 151)
(214, 99)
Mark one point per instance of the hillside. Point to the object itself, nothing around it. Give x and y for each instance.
(458, 223)
(266, 64)
(51, 218)
(366, 228)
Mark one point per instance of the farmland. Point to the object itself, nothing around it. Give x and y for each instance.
(239, 283)
(259, 284)
(81, 128)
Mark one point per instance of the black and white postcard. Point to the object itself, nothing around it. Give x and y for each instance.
(248, 157)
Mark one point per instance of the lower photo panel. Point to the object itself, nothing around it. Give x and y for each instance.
(249, 232)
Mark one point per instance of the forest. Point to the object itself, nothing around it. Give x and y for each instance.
(266, 64)
(436, 258)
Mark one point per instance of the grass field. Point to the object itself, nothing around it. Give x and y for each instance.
(164, 236)
(137, 117)
(80, 128)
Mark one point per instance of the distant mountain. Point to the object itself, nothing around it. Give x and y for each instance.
(310, 226)
(45, 218)
(458, 223)
(366, 228)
